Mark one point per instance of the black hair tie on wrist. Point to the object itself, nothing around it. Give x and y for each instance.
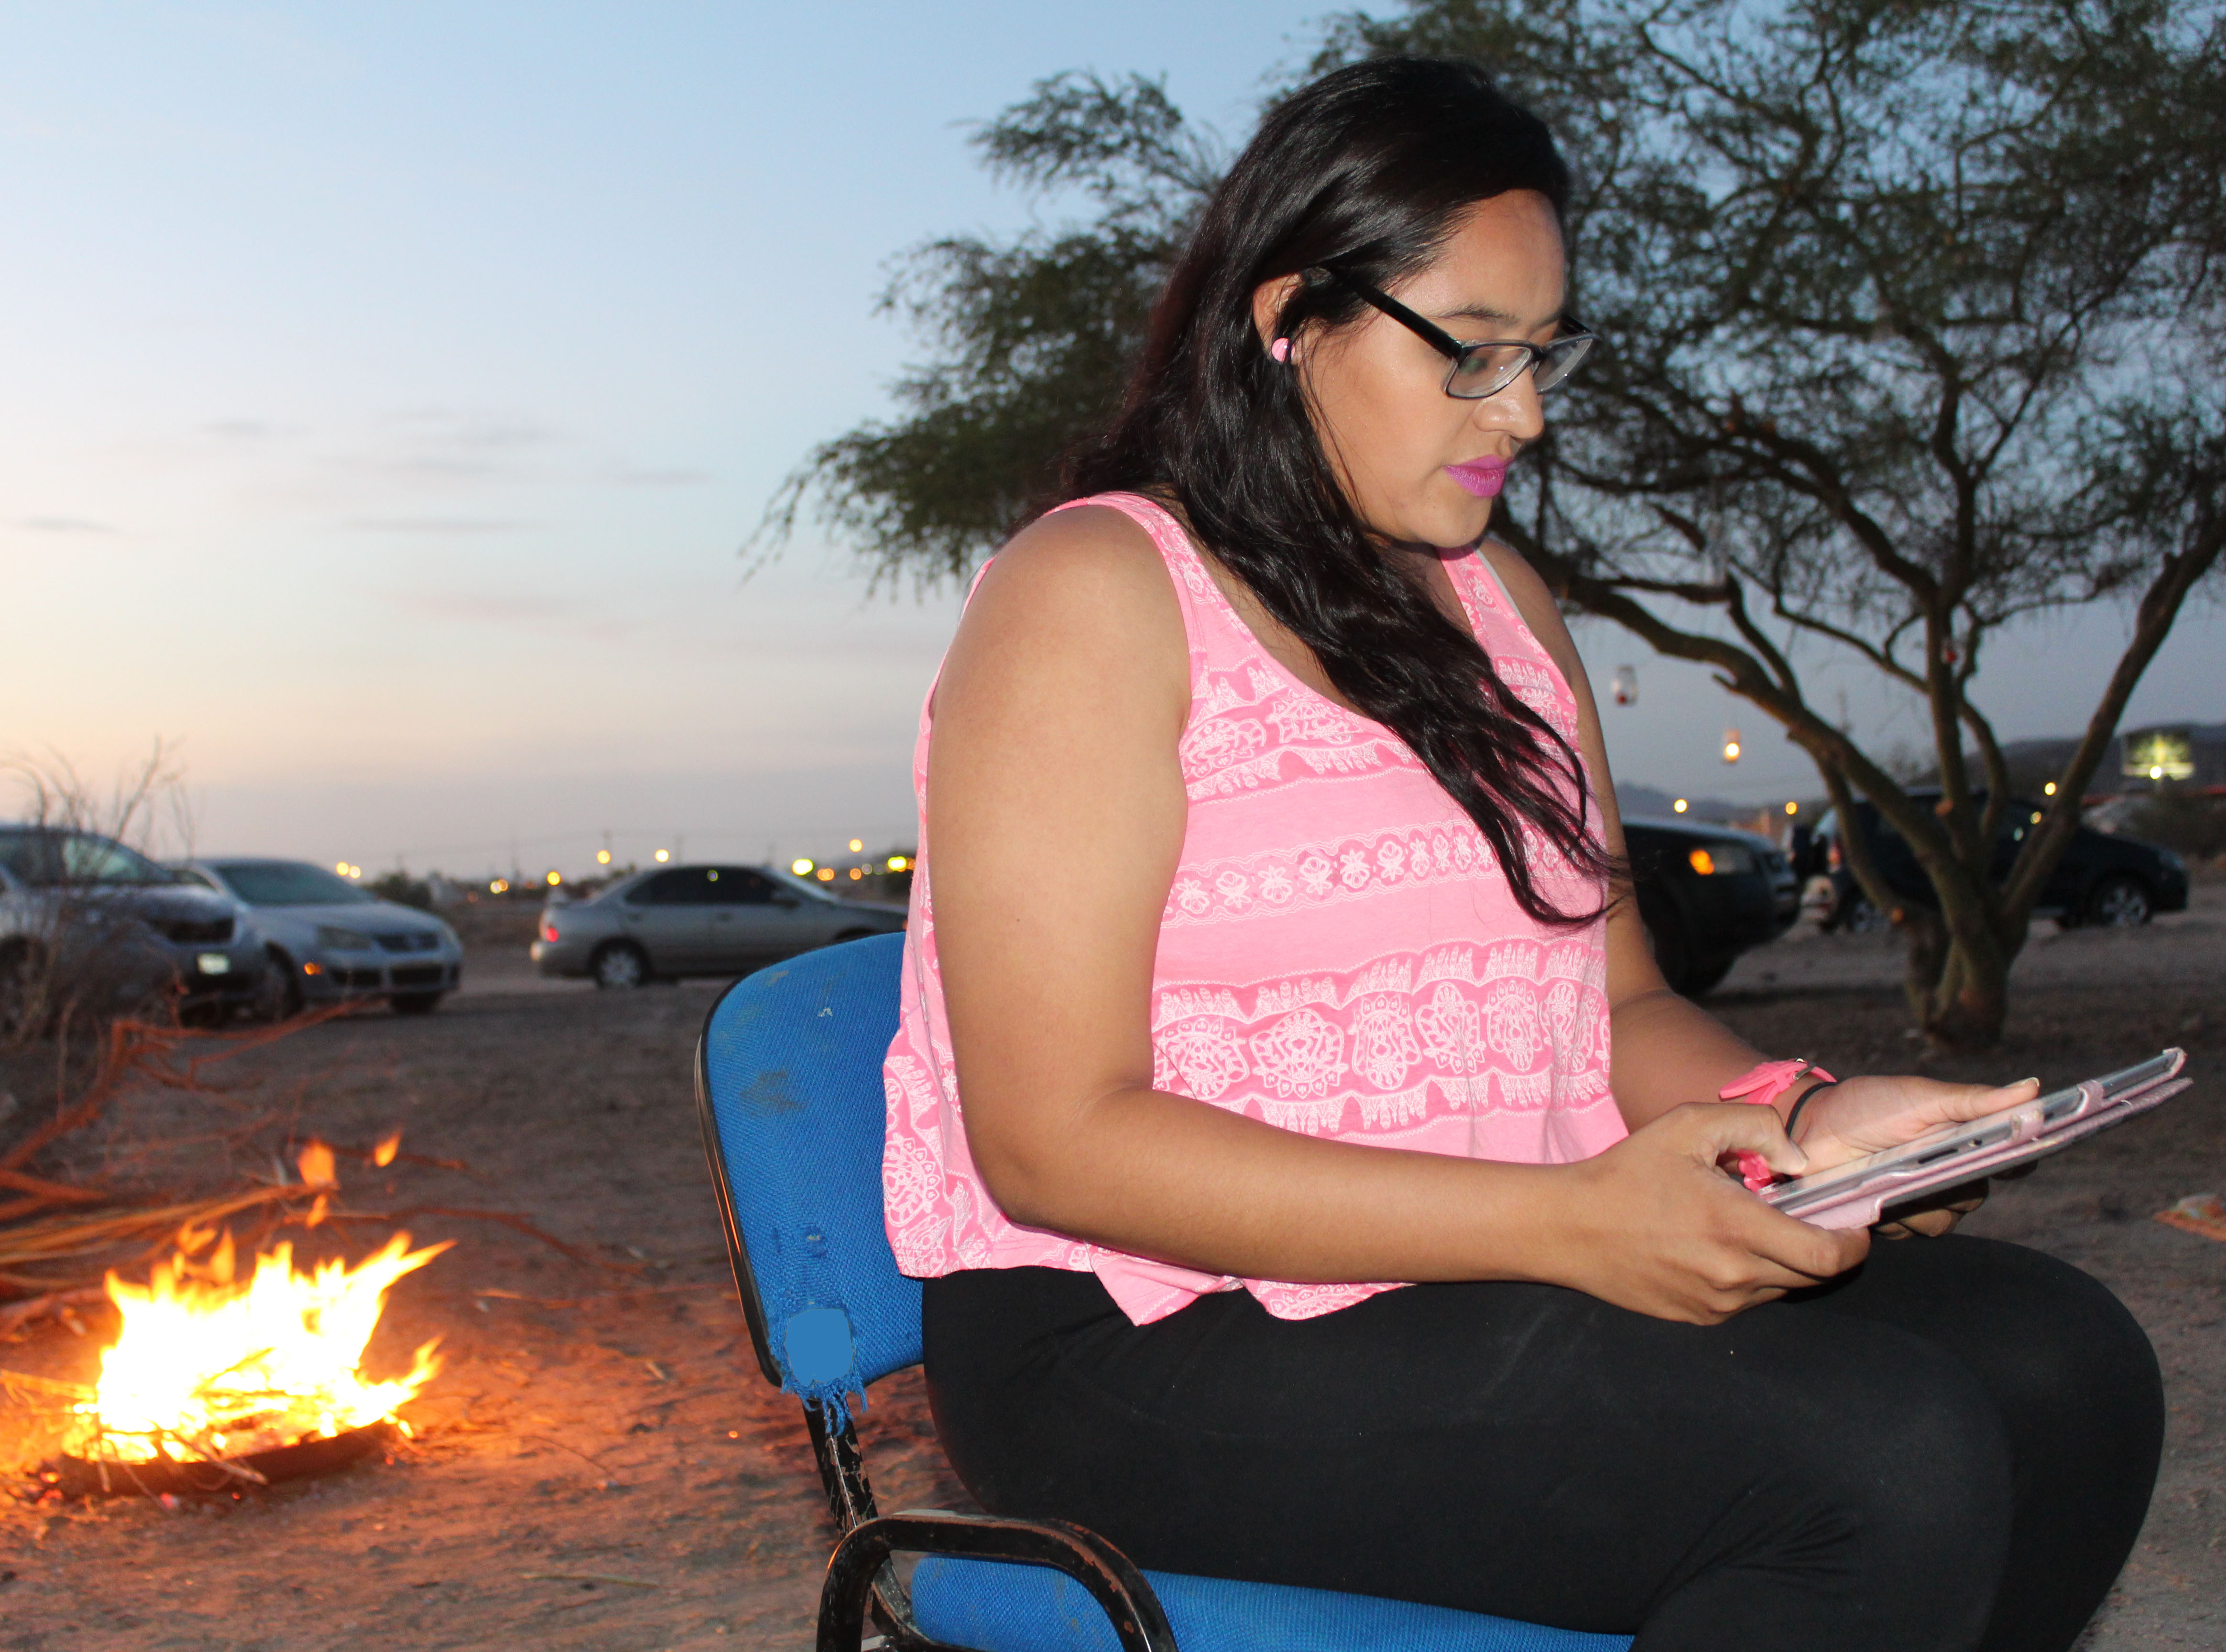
(1793, 1114)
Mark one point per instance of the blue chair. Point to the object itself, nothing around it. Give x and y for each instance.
(788, 1085)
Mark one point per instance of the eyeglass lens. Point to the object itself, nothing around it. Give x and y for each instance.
(1491, 369)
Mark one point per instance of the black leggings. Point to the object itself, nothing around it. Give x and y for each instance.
(1952, 1448)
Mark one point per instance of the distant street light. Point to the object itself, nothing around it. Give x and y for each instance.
(898, 863)
(555, 878)
(801, 866)
(1792, 807)
(663, 856)
(1679, 807)
(602, 857)
(857, 843)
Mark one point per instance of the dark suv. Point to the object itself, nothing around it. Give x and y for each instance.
(86, 921)
(2118, 882)
(1707, 894)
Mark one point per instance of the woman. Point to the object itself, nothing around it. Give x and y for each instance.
(1336, 1197)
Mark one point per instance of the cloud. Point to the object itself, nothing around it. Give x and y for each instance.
(540, 615)
(63, 525)
(439, 525)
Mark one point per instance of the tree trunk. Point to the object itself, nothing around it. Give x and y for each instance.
(1958, 980)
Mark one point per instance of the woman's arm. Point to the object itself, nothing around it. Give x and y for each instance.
(1667, 1051)
(1055, 822)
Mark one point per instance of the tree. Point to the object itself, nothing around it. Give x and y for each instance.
(1032, 338)
(1915, 330)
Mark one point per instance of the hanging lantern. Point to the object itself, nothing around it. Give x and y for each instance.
(1626, 685)
(1731, 746)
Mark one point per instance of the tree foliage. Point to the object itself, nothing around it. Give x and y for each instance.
(1030, 340)
(1914, 324)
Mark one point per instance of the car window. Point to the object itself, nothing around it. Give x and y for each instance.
(34, 857)
(736, 885)
(682, 886)
(46, 858)
(289, 883)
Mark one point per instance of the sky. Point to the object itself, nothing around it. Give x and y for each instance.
(386, 394)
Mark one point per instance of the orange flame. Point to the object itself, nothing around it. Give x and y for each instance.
(208, 1367)
(383, 1154)
(316, 1166)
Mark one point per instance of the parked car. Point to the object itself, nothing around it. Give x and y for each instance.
(1706, 894)
(698, 920)
(82, 916)
(329, 939)
(2103, 878)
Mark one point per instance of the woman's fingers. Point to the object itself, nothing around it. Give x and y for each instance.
(1802, 1254)
(1976, 1100)
(1719, 1129)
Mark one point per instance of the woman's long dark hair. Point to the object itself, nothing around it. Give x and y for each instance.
(1366, 169)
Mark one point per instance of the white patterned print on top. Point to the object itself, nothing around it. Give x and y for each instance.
(1377, 1042)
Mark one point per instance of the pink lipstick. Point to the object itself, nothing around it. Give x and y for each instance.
(1482, 476)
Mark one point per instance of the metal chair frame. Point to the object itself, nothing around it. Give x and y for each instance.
(862, 1581)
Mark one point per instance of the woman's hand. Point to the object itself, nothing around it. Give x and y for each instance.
(1860, 1116)
(1657, 1227)
(1866, 1115)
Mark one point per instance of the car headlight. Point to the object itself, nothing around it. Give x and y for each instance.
(1719, 859)
(342, 940)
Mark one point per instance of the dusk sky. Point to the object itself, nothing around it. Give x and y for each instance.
(387, 392)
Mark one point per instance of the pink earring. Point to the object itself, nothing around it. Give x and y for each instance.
(1281, 349)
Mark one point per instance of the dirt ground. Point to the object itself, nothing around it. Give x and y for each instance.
(599, 1465)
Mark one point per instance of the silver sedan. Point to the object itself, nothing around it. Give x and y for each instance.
(330, 939)
(698, 920)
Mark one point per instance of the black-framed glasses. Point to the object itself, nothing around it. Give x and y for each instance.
(1486, 366)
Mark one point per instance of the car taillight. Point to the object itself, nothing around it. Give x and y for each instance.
(549, 930)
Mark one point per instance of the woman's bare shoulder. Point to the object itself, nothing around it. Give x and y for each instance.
(1092, 567)
(1082, 596)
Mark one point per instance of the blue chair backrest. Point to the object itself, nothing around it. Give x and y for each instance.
(790, 1078)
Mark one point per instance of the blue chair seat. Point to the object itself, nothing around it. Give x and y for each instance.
(992, 1606)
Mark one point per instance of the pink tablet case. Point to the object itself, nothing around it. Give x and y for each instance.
(1855, 1195)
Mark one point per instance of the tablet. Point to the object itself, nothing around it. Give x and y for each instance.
(1852, 1195)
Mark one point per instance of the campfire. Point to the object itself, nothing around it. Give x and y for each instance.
(236, 1376)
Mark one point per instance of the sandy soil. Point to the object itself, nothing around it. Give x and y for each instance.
(599, 1465)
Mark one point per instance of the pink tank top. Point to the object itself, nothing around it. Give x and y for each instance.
(1340, 955)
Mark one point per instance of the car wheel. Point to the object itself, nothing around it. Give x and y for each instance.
(2119, 902)
(414, 1003)
(621, 964)
(279, 998)
(1861, 918)
(20, 970)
